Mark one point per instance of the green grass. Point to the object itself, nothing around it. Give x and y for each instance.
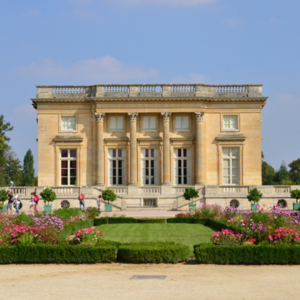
(186, 234)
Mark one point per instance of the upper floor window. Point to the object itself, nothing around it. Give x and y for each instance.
(68, 123)
(68, 167)
(230, 165)
(116, 123)
(149, 123)
(182, 123)
(230, 123)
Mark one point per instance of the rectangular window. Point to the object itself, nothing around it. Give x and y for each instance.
(68, 123)
(182, 124)
(116, 166)
(231, 166)
(68, 167)
(149, 123)
(116, 123)
(150, 166)
(182, 166)
(230, 123)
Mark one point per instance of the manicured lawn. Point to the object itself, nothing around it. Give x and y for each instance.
(187, 234)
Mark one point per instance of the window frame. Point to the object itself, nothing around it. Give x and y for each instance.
(156, 161)
(149, 130)
(182, 116)
(61, 123)
(68, 159)
(109, 123)
(182, 158)
(117, 158)
(231, 158)
(230, 129)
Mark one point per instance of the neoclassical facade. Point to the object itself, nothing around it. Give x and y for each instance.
(149, 141)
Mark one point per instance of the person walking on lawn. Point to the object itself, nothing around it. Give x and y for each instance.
(10, 199)
(81, 201)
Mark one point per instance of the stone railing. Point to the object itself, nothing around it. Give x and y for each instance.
(233, 189)
(21, 190)
(150, 190)
(281, 189)
(120, 190)
(149, 90)
(180, 189)
(66, 190)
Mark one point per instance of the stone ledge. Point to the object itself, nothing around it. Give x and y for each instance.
(68, 139)
(230, 137)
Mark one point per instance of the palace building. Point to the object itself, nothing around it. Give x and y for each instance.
(149, 141)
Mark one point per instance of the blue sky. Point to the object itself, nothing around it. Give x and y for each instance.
(153, 41)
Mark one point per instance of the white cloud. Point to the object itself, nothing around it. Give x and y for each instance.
(232, 22)
(167, 2)
(103, 69)
(191, 78)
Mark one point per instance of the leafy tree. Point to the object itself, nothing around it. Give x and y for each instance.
(282, 175)
(3, 197)
(254, 195)
(48, 195)
(267, 172)
(12, 167)
(295, 171)
(109, 195)
(190, 193)
(295, 194)
(4, 127)
(28, 169)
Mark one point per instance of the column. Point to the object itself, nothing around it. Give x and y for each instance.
(200, 168)
(166, 149)
(100, 150)
(133, 149)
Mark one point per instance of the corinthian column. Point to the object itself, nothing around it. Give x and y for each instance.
(133, 150)
(200, 149)
(166, 149)
(100, 152)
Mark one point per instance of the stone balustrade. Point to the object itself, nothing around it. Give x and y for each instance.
(149, 90)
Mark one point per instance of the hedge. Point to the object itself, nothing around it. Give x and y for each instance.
(71, 228)
(148, 220)
(160, 252)
(188, 220)
(248, 254)
(65, 254)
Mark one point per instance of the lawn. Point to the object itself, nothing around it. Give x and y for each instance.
(187, 234)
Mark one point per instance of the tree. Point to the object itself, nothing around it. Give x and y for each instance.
(267, 172)
(295, 171)
(190, 193)
(48, 195)
(28, 169)
(12, 167)
(254, 195)
(282, 175)
(109, 195)
(295, 194)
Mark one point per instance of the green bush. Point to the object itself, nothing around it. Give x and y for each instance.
(218, 224)
(3, 195)
(188, 220)
(261, 254)
(67, 213)
(71, 228)
(57, 254)
(109, 195)
(190, 193)
(154, 252)
(92, 212)
(254, 195)
(100, 221)
(295, 194)
(148, 220)
(48, 195)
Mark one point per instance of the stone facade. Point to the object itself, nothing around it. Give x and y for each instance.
(149, 141)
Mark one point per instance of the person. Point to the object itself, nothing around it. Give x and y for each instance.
(32, 203)
(12, 183)
(17, 201)
(36, 202)
(99, 202)
(81, 201)
(10, 199)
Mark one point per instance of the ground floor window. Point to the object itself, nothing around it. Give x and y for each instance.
(116, 166)
(150, 166)
(182, 166)
(68, 166)
(230, 165)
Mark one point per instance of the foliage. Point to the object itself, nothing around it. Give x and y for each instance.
(282, 175)
(92, 212)
(202, 221)
(268, 174)
(254, 195)
(190, 193)
(208, 211)
(72, 227)
(160, 252)
(284, 235)
(149, 220)
(3, 195)
(294, 171)
(48, 195)
(4, 128)
(66, 214)
(282, 254)
(58, 254)
(295, 194)
(227, 237)
(109, 195)
(12, 167)
(28, 169)
(87, 236)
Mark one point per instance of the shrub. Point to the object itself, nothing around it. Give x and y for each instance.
(66, 214)
(87, 235)
(284, 235)
(100, 221)
(261, 254)
(92, 212)
(295, 194)
(190, 193)
(41, 253)
(3, 196)
(109, 195)
(48, 195)
(209, 211)
(71, 228)
(254, 195)
(226, 237)
(154, 252)
(148, 220)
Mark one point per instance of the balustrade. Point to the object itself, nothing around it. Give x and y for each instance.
(149, 190)
(148, 88)
(233, 189)
(69, 90)
(183, 89)
(120, 190)
(116, 89)
(231, 89)
(66, 190)
(282, 189)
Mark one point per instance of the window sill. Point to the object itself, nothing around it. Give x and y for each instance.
(68, 131)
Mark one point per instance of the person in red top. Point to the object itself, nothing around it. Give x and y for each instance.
(81, 201)
(36, 202)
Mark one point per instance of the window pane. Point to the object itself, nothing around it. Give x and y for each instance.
(120, 172)
(120, 181)
(113, 123)
(179, 180)
(146, 152)
(152, 152)
(120, 153)
(114, 163)
(73, 180)
(226, 151)
(114, 180)
(120, 163)
(114, 153)
(179, 152)
(64, 164)
(73, 153)
(235, 152)
(184, 153)
(235, 180)
(225, 163)
(64, 172)
(71, 123)
(225, 180)
(179, 163)
(146, 123)
(178, 123)
(185, 121)
(73, 172)
(153, 123)
(64, 153)
(184, 180)
(120, 123)
(73, 164)
(235, 163)
(64, 181)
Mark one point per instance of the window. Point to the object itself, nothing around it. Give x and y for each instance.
(230, 123)
(116, 166)
(68, 166)
(68, 123)
(231, 165)
(150, 166)
(182, 166)
(182, 123)
(149, 123)
(116, 123)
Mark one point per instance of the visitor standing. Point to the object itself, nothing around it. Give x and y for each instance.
(12, 184)
(81, 201)
(99, 202)
(32, 203)
(17, 201)
(36, 202)
(10, 199)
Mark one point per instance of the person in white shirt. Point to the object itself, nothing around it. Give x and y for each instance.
(17, 201)
(99, 202)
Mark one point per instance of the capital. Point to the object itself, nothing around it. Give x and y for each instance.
(166, 116)
(133, 116)
(99, 117)
(199, 116)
